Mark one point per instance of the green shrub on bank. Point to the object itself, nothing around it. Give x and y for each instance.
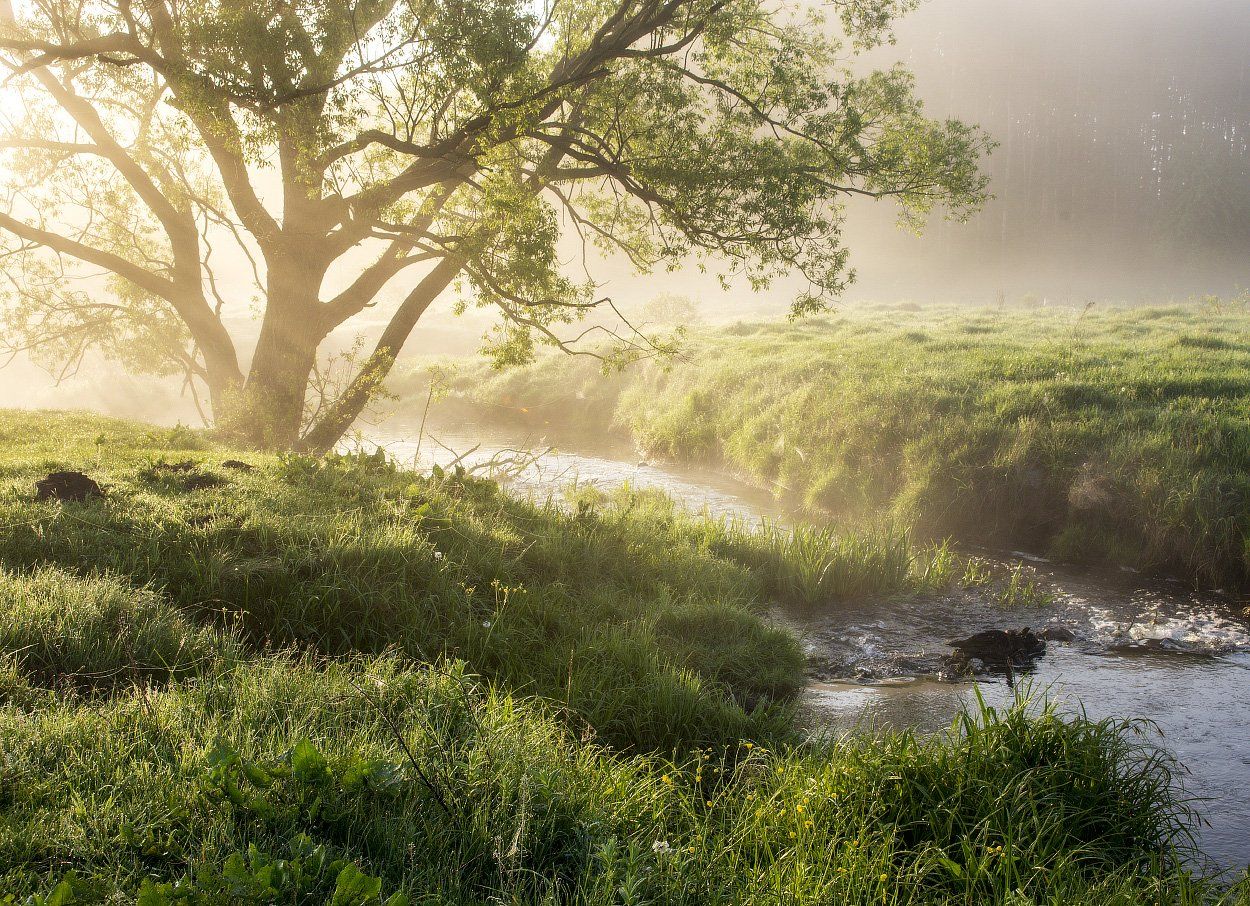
(1114, 436)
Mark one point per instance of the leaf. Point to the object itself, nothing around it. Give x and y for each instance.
(355, 888)
(63, 893)
(152, 894)
(256, 775)
(222, 754)
(307, 763)
(956, 870)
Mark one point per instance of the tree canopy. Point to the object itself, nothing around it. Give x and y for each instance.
(333, 149)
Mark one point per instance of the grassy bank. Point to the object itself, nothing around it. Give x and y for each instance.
(328, 681)
(1119, 436)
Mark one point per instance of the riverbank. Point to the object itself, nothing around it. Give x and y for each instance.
(278, 676)
(1119, 436)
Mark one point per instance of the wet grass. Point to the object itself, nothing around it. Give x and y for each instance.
(328, 681)
(1117, 436)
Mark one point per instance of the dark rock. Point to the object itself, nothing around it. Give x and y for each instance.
(238, 465)
(67, 486)
(1057, 634)
(1000, 646)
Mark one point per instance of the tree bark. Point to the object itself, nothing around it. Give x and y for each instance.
(269, 410)
(322, 436)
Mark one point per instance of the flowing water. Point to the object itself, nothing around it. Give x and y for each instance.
(1141, 648)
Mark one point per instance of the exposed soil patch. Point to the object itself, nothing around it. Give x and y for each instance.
(71, 486)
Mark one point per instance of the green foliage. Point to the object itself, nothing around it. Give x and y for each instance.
(467, 136)
(1117, 436)
(1022, 589)
(318, 747)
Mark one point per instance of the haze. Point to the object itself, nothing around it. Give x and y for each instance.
(1122, 174)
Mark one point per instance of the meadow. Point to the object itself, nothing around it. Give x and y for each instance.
(331, 681)
(1110, 435)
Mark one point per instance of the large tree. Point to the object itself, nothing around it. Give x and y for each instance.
(338, 148)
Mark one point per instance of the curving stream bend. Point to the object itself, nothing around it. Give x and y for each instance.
(1142, 647)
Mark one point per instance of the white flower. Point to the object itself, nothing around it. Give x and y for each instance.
(438, 555)
(486, 624)
(661, 847)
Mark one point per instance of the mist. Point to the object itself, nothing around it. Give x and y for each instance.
(1122, 173)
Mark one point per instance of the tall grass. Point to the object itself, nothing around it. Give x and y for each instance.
(331, 682)
(1114, 436)
(443, 791)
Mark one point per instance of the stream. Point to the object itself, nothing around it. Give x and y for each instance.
(1142, 647)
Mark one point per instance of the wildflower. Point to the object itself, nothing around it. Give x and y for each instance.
(661, 847)
(666, 779)
(792, 835)
(884, 876)
(486, 624)
(749, 745)
(799, 809)
(808, 823)
(439, 555)
(709, 803)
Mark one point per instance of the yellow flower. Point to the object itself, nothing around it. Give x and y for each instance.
(884, 876)
(666, 779)
(792, 835)
(799, 809)
(750, 745)
(709, 803)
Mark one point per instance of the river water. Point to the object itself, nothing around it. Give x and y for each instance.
(1143, 648)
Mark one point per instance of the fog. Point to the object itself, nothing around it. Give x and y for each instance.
(1122, 173)
(1122, 170)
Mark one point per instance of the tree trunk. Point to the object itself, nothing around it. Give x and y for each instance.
(271, 405)
(322, 436)
(270, 408)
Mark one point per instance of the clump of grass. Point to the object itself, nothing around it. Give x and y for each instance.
(807, 565)
(96, 632)
(349, 554)
(1022, 589)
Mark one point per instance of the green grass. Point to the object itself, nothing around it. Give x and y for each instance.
(330, 682)
(1115, 436)
(344, 556)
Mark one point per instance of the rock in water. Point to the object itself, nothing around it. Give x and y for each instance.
(67, 486)
(1001, 646)
(1057, 634)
